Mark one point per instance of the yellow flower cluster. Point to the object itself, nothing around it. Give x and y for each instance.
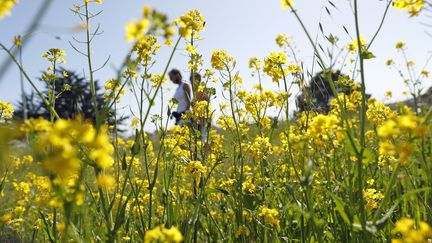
(112, 89)
(255, 64)
(354, 45)
(201, 110)
(55, 55)
(270, 216)
(220, 60)
(158, 79)
(324, 128)
(349, 102)
(136, 30)
(59, 147)
(260, 148)
(35, 125)
(105, 181)
(6, 111)
(282, 40)
(195, 60)
(403, 124)
(410, 233)
(255, 103)
(413, 7)
(162, 234)
(372, 196)
(196, 168)
(6, 6)
(191, 24)
(248, 185)
(145, 49)
(378, 113)
(402, 127)
(274, 66)
(151, 20)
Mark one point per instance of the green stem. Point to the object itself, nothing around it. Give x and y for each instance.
(92, 83)
(362, 118)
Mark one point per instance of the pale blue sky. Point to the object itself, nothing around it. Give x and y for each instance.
(245, 28)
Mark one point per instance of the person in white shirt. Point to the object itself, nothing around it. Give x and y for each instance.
(182, 95)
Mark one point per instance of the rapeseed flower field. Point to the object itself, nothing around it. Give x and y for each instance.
(357, 171)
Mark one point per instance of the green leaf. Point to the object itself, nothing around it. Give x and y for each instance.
(340, 208)
(136, 147)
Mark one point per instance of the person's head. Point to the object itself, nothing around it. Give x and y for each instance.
(195, 78)
(175, 76)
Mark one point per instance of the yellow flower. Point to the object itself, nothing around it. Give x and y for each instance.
(191, 24)
(389, 62)
(63, 138)
(413, 7)
(112, 90)
(353, 46)
(248, 186)
(17, 41)
(400, 45)
(255, 64)
(105, 181)
(190, 49)
(270, 216)
(201, 109)
(409, 232)
(388, 94)
(162, 234)
(145, 49)
(220, 60)
(135, 30)
(135, 122)
(287, 3)
(55, 55)
(158, 79)
(273, 65)
(61, 227)
(6, 111)
(372, 196)
(67, 87)
(6, 217)
(196, 169)
(6, 6)
(97, 1)
(378, 113)
(282, 40)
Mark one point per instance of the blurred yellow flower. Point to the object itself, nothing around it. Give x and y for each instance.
(162, 234)
(191, 24)
(413, 7)
(287, 3)
(6, 111)
(6, 6)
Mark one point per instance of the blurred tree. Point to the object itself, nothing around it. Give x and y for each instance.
(73, 98)
(317, 95)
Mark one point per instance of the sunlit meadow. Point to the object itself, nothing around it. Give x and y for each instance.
(265, 165)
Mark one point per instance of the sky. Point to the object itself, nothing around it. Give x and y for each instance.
(245, 28)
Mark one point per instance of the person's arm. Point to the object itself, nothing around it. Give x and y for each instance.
(187, 92)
